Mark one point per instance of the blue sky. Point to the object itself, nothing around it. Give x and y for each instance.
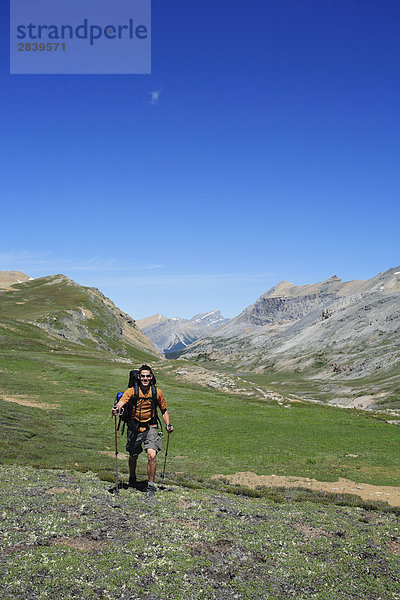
(264, 146)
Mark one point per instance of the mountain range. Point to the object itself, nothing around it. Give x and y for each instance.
(325, 328)
(172, 335)
(342, 337)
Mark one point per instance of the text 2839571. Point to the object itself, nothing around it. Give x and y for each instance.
(41, 47)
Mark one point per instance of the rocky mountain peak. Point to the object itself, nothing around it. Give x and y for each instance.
(172, 335)
(331, 327)
(209, 319)
(150, 321)
(9, 278)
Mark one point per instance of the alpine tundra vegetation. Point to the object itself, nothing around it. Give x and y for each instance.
(65, 352)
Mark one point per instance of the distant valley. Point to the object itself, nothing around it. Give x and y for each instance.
(172, 335)
(336, 342)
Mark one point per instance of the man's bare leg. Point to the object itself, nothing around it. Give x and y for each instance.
(151, 465)
(132, 470)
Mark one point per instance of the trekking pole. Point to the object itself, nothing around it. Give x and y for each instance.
(166, 454)
(116, 455)
(117, 398)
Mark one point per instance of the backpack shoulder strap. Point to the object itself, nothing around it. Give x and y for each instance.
(153, 400)
(154, 405)
(134, 400)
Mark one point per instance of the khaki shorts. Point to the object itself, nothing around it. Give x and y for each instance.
(150, 439)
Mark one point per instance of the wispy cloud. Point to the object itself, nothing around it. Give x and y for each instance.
(48, 264)
(109, 265)
(12, 259)
(155, 97)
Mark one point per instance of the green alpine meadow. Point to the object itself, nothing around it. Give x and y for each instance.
(67, 531)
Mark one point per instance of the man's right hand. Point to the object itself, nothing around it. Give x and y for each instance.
(117, 404)
(115, 409)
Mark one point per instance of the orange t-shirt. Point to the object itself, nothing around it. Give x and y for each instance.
(142, 411)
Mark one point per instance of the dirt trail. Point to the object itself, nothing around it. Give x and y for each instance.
(388, 494)
(28, 401)
(121, 455)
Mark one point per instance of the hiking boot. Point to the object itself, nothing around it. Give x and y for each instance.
(132, 482)
(150, 491)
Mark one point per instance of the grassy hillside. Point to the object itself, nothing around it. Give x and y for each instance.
(56, 312)
(55, 412)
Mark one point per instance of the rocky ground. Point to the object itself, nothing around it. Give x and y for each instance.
(65, 535)
(194, 374)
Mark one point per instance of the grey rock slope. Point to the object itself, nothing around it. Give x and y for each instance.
(172, 335)
(329, 327)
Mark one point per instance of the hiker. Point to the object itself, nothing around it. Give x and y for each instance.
(142, 425)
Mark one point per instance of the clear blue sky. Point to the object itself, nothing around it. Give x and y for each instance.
(271, 153)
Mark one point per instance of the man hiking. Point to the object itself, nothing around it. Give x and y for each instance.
(142, 425)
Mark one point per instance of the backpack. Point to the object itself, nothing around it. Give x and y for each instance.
(126, 414)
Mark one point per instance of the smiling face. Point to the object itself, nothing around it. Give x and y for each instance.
(145, 378)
